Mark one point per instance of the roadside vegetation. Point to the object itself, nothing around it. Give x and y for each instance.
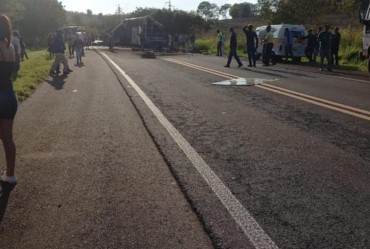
(33, 71)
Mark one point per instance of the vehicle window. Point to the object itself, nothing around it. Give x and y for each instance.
(298, 34)
(367, 29)
(275, 32)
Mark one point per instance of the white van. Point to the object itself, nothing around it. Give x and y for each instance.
(365, 42)
(299, 45)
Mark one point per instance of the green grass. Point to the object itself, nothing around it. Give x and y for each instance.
(32, 72)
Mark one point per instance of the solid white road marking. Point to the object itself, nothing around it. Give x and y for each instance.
(246, 222)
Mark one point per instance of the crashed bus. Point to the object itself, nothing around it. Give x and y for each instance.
(144, 32)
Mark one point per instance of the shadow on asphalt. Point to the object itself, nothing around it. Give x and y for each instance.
(57, 82)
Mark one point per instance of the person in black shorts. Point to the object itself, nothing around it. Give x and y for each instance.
(8, 100)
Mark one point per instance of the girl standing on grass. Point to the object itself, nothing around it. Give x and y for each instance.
(8, 100)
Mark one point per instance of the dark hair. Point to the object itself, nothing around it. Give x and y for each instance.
(5, 29)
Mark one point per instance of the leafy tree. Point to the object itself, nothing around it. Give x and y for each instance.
(41, 17)
(76, 19)
(293, 11)
(208, 11)
(174, 22)
(241, 10)
(224, 9)
(349, 8)
(13, 9)
(89, 12)
(267, 9)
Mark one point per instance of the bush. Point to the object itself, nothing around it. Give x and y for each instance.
(350, 45)
(205, 45)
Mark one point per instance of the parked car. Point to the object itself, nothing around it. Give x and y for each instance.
(299, 45)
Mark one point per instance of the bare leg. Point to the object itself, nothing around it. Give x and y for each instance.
(6, 135)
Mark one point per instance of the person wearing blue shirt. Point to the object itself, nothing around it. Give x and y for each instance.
(311, 44)
(335, 41)
(324, 39)
(288, 43)
(233, 49)
(252, 44)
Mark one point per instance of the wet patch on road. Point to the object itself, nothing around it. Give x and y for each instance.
(243, 82)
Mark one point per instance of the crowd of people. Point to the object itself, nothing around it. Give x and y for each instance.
(323, 43)
(56, 47)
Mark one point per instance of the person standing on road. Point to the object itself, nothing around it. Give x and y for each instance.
(70, 40)
(50, 40)
(110, 42)
(252, 44)
(317, 46)
(219, 43)
(324, 39)
(311, 43)
(267, 47)
(78, 45)
(23, 48)
(223, 42)
(58, 47)
(288, 44)
(192, 41)
(335, 41)
(17, 46)
(233, 48)
(8, 100)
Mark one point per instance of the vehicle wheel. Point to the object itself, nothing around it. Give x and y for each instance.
(278, 58)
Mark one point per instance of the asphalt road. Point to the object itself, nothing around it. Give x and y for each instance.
(89, 173)
(283, 164)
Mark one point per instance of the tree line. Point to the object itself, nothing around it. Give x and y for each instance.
(281, 11)
(306, 12)
(36, 18)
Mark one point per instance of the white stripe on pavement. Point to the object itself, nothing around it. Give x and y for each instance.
(246, 222)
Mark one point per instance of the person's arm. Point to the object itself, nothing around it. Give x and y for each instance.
(256, 38)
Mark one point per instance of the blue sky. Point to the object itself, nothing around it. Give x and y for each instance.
(110, 6)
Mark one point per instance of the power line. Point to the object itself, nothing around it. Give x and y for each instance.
(169, 4)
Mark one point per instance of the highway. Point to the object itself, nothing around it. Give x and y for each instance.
(128, 152)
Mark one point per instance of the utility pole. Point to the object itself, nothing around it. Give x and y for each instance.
(169, 4)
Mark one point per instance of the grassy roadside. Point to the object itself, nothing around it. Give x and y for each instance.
(33, 71)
